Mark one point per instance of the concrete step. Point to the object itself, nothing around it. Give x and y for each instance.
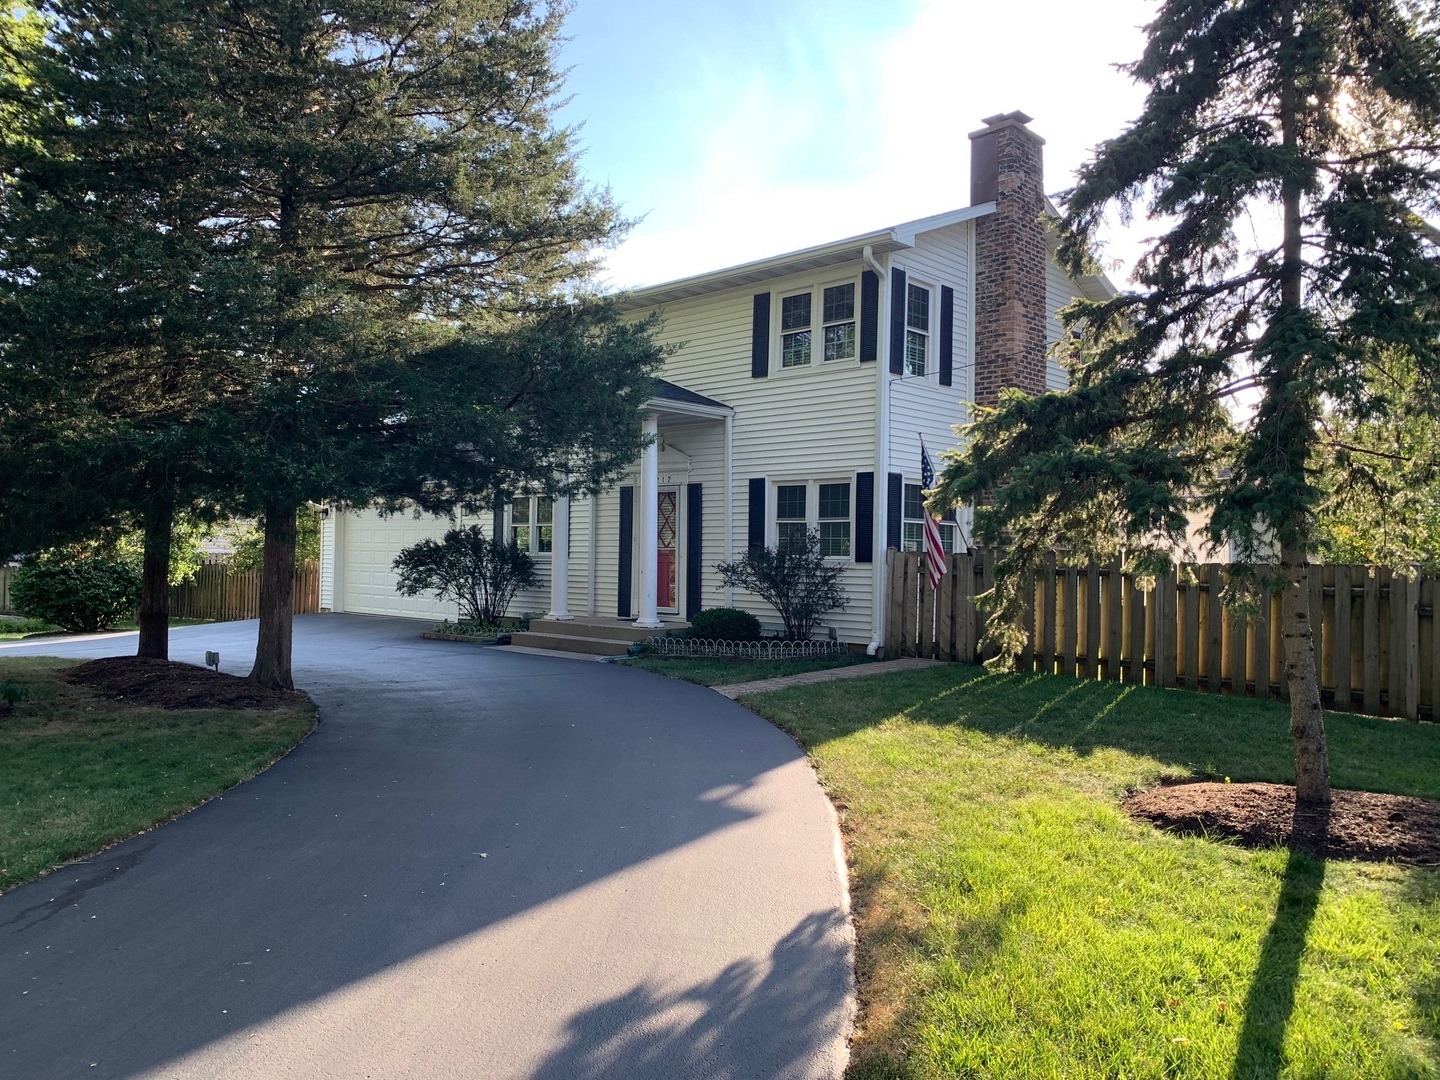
(606, 629)
(568, 643)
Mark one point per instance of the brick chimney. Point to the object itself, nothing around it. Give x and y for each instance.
(1010, 257)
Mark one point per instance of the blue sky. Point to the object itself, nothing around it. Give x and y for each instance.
(743, 129)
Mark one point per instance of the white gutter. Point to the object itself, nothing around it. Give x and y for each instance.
(882, 446)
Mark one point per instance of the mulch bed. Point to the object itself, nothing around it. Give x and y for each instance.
(1362, 824)
(143, 680)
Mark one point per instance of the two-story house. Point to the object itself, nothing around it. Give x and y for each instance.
(798, 400)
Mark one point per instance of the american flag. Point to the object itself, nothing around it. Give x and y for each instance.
(934, 546)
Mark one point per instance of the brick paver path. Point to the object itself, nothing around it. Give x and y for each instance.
(884, 667)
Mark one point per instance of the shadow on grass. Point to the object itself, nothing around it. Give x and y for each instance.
(1187, 732)
(1260, 1051)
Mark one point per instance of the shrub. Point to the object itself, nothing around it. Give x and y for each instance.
(76, 592)
(482, 575)
(725, 624)
(794, 578)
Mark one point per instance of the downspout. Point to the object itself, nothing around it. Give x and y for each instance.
(730, 500)
(882, 445)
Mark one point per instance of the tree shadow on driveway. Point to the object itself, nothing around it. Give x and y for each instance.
(651, 1033)
(448, 791)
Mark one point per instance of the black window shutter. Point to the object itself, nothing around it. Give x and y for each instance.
(897, 322)
(627, 541)
(869, 316)
(760, 337)
(756, 523)
(894, 510)
(947, 334)
(694, 548)
(497, 519)
(864, 517)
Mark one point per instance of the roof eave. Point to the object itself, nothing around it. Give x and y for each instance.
(796, 262)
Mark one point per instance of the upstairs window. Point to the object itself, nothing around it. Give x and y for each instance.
(917, 329)
(839, 316)
(795, 329)
(532, 526)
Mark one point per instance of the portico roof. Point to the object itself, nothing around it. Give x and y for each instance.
(672, 398)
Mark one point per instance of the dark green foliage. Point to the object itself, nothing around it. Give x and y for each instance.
(1288, 150)
(267, 254)
(80, 592)
(795, 578)
(12, 693)
(249, 550)
(480, 574)
(725, 624)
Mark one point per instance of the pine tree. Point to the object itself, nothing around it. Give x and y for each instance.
(395, 181)
(263, 254)
(1289, 150)
(108, 290)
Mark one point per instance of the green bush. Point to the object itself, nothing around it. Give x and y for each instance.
(482, 575)
(725, 624)
(79, 593)
(796, 578)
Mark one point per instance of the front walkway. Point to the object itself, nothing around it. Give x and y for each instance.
(883, 667)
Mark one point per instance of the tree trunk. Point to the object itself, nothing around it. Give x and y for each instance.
(1307, 718)
(154, 617)
(277, 595)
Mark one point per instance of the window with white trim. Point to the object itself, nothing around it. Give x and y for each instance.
(823, 507)
(532, 526)
(917, 329)
(790, 517)
(838, 314)
(833, 519)
(835, 327)
(913, 524)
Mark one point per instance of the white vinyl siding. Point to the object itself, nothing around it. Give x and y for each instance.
(921, 406)
(328, 521)
(809, 423)
(1059, 291)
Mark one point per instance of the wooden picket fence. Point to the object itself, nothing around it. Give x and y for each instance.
(1378, 635)
(221, 592)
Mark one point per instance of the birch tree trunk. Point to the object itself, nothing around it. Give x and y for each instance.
(277, 587)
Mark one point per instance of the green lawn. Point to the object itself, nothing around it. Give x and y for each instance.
(13, 628)
(709, 671)
(78, 772)
(1014, 923)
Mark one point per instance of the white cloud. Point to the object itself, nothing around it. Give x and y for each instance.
(856, 134)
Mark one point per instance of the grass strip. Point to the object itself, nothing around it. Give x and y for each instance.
(714, 671)
(78, 772)
(1013, 922)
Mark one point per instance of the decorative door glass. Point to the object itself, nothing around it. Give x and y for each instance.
(667, 527)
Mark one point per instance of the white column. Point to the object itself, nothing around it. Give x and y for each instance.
(648, 523)
(560, 561)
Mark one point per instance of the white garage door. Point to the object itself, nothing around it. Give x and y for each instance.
(367, 546)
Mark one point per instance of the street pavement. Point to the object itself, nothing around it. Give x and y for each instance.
(481, 865)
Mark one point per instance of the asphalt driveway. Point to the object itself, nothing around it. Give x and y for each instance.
(481, 865)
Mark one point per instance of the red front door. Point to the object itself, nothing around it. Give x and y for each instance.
(667, 531)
